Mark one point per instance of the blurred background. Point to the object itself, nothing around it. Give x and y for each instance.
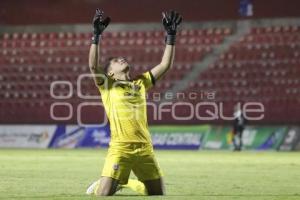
(240, 51)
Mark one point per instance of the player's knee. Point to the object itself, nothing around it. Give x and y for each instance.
(156, 190)
(155, 187)
(107, 187)
(106, 192)
(158, 193)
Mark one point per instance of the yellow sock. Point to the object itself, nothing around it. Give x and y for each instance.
(136, 186)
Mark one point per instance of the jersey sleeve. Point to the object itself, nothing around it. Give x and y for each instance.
(147, 80)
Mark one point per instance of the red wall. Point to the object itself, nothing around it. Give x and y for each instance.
(13, 12)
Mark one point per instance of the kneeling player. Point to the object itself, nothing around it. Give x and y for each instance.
(124, 100)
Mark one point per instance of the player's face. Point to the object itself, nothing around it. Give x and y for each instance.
(119, 64)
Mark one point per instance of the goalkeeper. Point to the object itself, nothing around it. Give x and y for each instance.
(124, 100)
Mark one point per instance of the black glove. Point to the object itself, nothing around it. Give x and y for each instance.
(171, 21)
(99, 24)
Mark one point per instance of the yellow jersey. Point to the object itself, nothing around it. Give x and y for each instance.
(126, 109)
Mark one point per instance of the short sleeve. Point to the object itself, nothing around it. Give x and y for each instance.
(147, 79)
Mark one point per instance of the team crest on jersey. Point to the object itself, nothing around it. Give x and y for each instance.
(115, 166)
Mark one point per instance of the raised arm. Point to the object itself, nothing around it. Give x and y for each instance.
(170, 22)
(99, 24)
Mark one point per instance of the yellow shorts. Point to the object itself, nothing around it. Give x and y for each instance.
(124, 157)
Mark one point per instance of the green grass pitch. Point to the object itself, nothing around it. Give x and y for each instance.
(65, 174)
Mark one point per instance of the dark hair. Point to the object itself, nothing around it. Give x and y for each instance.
(107, 64)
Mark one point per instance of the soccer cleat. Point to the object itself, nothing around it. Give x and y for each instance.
(92, 188)
(136, 186)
